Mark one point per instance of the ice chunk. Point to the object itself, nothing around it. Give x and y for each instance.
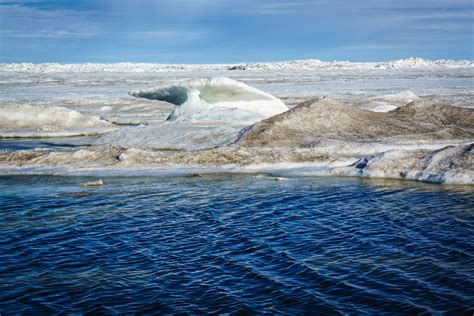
(384, 108)
(215, 99)
(404, 96)
(46, 121)
(97, 183)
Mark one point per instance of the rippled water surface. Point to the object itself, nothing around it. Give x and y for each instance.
(235, 244)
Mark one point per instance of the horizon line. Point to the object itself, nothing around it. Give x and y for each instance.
(245, 62)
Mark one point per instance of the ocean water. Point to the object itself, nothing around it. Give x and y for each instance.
(235, 244)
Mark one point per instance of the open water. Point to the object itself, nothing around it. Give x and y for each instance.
(235, 244)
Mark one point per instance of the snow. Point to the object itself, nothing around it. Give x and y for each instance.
(215, 99)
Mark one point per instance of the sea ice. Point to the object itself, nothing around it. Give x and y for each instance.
(418, 138)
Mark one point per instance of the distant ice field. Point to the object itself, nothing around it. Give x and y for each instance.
(92, 90)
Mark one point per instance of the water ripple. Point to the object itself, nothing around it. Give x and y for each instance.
(235, 244)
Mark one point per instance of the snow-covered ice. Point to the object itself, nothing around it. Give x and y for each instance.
(408, 63)
(385, 120)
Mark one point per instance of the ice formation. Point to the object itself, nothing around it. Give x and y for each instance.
(390, 102)
(214, 100)
(172, 136)
(46, 121)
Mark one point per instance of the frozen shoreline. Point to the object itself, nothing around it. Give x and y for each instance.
(278, 171)
(435, 162)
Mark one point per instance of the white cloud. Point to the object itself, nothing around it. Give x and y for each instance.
(26, 22)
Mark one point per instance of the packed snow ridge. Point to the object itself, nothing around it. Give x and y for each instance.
(308, 64)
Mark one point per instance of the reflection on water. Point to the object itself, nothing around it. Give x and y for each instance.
(235, 244)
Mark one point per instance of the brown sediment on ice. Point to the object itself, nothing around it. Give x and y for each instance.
(123, 157)
(450, 164)
(324, 118)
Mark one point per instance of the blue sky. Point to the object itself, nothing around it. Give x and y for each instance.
(224, 31)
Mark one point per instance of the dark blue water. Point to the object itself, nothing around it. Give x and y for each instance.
(235, 244)
(33, 143)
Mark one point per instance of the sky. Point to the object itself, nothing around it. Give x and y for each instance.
(232, 31)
